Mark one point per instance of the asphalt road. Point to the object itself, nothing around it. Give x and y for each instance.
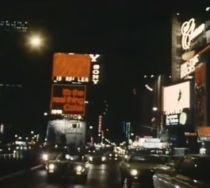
(100, 176)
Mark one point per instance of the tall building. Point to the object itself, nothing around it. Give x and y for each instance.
(190, 69)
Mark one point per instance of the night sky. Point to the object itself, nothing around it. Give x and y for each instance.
(134, 39)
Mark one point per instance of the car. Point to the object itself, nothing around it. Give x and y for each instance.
(190, 171)
(112, 155)
(96, 157)
(67, 165)
(46, 155)
(139, 167)
(49, 153)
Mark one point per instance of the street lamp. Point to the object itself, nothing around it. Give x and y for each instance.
(35, 41)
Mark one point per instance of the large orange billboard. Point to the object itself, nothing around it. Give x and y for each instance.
(68, 99)
(71, 65)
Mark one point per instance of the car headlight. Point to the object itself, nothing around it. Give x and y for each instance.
(126, 156)
(79, 168)
(44, 156)
(90, 158)
(67, 157)
(133, 172)
(103, 158)
(51, 167)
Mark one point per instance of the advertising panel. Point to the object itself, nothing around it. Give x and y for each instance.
(200, 95)
(203, 132)
(68, 99)
(176, 98)
(66, 132)
(71, 67)
(177, 103)
(96, 68)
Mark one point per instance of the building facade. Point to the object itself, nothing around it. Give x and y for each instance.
(190, 56)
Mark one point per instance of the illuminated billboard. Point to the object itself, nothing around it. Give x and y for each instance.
(66, 132)
(96, 68)
(176, 98)
(71, 67)
(201, 104)
(203, 132)
(68, 99)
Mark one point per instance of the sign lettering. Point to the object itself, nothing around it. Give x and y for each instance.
(94, 57)
(172, 119)
(71, 100)
(189, 32)
(95, 73)
(188, 67)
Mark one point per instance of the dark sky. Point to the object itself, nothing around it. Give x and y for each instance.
(134, 38)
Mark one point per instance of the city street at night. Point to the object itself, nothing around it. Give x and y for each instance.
(104, 94)
(99, 176)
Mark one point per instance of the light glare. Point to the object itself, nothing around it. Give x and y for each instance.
(35, 41)
(207, 9)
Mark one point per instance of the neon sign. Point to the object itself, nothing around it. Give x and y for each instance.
(94, 57)
(95, 69)
(189, 32)
(188, 67)
(95, 73)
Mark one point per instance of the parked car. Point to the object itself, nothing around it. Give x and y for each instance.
(67, 165)
(191, 171)
(140, 167)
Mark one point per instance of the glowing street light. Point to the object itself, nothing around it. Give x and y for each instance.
(35, 41)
